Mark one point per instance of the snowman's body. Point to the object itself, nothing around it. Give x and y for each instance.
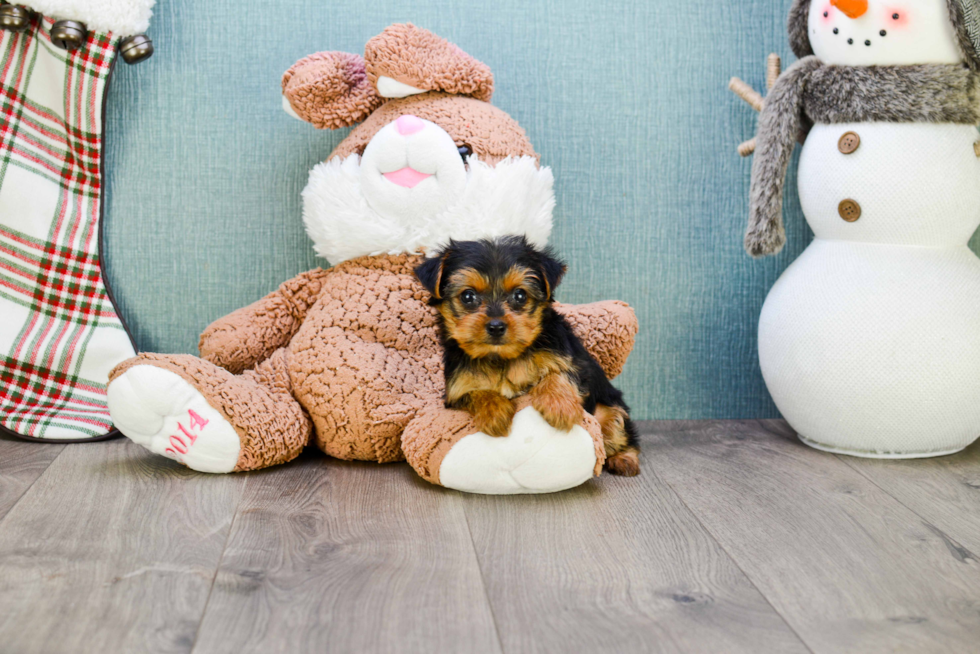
(870, 341)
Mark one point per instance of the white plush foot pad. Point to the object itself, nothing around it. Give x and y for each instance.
(534, 458)
(157, 409)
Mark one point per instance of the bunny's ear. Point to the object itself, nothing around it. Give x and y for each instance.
(330, 90)
(405, 59)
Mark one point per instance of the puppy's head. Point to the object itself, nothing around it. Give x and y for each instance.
(492, 294)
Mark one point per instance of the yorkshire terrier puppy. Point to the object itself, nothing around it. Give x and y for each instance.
(503, 339)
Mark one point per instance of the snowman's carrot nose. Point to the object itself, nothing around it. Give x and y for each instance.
(851, 8)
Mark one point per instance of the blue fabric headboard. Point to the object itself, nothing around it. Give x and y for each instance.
(627, 103)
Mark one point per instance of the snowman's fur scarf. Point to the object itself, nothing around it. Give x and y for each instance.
(513, 197)
(122, 17)
(928, 93)
(780, 126)
(964, 14)
(810, 92)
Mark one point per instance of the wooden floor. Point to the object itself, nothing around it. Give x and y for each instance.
(735, 538)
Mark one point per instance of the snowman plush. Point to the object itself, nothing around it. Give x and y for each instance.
(870, 341)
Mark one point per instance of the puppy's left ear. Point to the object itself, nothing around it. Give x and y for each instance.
(552, 272)
(429, 273)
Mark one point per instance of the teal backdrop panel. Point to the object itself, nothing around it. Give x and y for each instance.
(626, 100)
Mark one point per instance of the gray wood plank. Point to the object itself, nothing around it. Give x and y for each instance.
(113, 549)
(849, 567)
(616, 565)
(21, 463)
(347, 557)
(944, 491)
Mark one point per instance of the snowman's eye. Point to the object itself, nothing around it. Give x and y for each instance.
(896, 16)
(826, 14)
(465, 151)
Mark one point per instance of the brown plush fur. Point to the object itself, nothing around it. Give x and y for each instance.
(330, 90)
(335, 89)
(417, 57)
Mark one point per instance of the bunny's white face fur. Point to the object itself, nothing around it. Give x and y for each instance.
(411, 192)
(887, 33)
(434, 172)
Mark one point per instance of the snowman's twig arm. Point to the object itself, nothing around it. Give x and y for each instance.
(747, 93)
(779, 127)
(774, 68)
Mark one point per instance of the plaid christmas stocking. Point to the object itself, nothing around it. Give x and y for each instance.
(60, 334)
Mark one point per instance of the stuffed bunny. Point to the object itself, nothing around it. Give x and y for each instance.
(349, 358)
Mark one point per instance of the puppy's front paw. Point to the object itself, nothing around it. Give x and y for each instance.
(558, 401)
(493, 413)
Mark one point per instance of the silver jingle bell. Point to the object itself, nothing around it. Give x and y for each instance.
(136, 48)
(68, 34)
(14, 18)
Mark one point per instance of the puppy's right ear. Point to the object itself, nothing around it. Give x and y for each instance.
(329, 90)
(429, 273)
(551, 270)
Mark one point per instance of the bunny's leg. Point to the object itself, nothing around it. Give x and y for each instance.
(445, 447)
(208, 419)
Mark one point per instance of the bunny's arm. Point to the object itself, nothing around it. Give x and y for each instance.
(607, 329)
(251, 334)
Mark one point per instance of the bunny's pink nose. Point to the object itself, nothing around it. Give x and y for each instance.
(408, 125)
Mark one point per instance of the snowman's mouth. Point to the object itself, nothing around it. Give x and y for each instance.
(406, 177)
(851, 40)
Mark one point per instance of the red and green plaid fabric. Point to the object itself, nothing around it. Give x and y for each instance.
(60, 334)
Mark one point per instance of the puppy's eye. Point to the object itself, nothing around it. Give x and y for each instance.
(469, 298)
(520, 297)
(465, 151)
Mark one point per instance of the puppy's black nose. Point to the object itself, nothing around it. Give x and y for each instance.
(496, 328)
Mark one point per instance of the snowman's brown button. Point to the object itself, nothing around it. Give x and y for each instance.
(849, 143)
(849, 210)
